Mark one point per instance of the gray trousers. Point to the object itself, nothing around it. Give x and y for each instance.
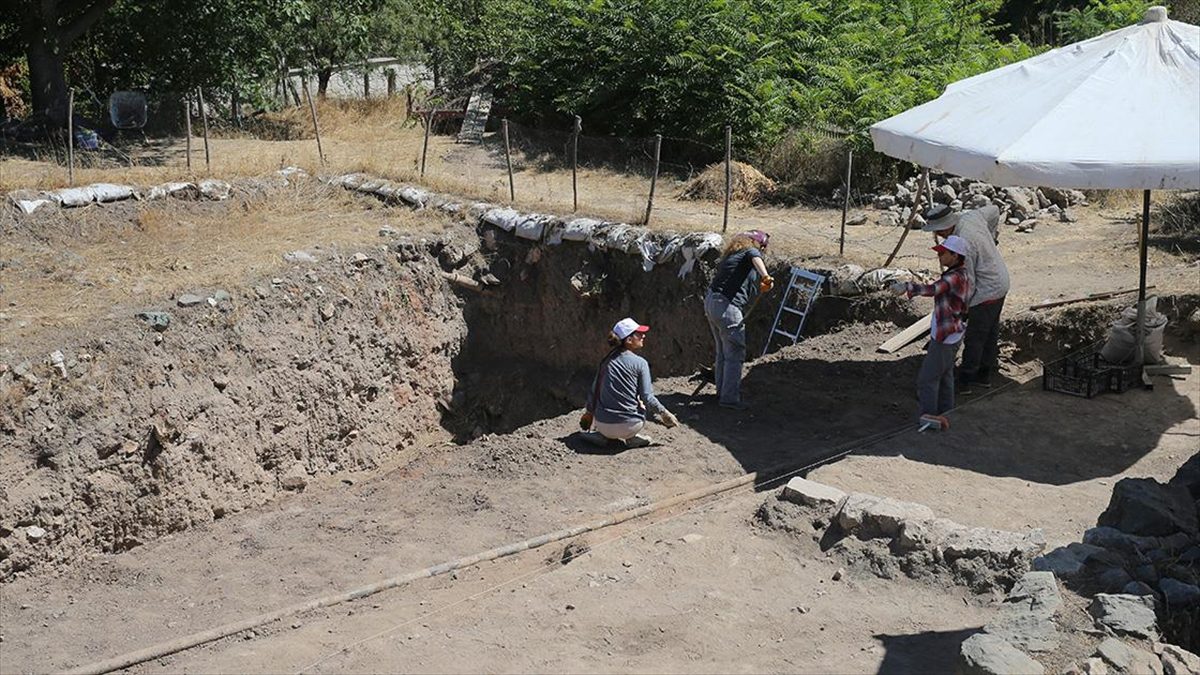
(729, 334)
(935, 382)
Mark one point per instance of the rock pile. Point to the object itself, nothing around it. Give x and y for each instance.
(1019, 206)
(892, 537)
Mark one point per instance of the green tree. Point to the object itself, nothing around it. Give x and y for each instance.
(46, 30)
(1099, 16)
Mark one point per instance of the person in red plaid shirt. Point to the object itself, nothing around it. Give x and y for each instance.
(935, 382)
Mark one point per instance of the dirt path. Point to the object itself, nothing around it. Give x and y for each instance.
(714, 602)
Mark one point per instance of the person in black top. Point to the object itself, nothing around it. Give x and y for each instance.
(741, 275)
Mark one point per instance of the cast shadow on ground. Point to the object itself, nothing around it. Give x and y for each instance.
(928, 652)
(809, 409)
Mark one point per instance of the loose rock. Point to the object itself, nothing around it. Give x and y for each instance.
(984, 654)
(1126, 614)
(1126, 659)
(189, 300)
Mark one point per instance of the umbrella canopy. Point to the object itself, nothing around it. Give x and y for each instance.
(1118, 111)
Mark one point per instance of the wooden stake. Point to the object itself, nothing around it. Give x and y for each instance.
(911, 217)
(312, 109)
(425, 146)
(728, 175)
(846, 201)
(204, 119)
(187, 123)
(653, 177)
(575, 164)
(71, 136)
(512, 197)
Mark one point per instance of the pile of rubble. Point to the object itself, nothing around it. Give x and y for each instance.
(1020, 206)
(1137, 573)
(891, 537)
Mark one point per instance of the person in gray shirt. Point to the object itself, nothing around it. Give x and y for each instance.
(621, 394)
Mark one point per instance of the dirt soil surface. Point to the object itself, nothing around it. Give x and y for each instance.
(697, 588)
(651, 595)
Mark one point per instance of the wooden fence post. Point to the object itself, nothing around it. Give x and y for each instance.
(575, 163)
(204, 119)
(728, 175)
(653, 177)
(187, 123)
(71, 137)
(391, 82)
(425, 145)
(512, 196)
(312, 109)
(846, 201)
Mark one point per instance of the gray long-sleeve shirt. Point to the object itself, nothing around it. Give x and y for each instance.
(986, 271)
(625, 381)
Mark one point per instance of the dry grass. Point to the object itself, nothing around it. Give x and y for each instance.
(746, 184)
(91, 262)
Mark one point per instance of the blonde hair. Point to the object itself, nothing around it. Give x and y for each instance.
(740, 242)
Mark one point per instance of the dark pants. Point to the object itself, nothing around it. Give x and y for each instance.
(981, 344)
(935, 380)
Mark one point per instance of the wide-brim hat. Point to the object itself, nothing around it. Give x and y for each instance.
(940, 218)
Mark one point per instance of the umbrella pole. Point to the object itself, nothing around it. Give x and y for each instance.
(1141, 307)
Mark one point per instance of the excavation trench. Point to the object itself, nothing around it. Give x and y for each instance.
(348, 363)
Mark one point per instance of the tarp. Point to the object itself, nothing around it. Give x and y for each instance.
(1118, 111)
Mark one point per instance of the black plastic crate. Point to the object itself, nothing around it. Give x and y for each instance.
(1121, 378)
(1087, 374)
(1077, 375)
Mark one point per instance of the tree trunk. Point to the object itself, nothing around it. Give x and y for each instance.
(323, 76)
(47, 82)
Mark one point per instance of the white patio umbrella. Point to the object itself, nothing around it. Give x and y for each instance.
(1118, 111)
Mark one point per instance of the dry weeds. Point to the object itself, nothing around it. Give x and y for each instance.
(88, 264)
(747, 184)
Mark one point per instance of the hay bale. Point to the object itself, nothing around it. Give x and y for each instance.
(747, 184)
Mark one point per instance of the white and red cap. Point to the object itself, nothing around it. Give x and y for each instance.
(626, 327)
(954, 244)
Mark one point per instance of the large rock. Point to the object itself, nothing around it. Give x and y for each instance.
(927, 534)
(1066, 562)
(1029, 631)
(1178, 593)
(984, 654)
(872, 516)
(806, 492)
(1126, 659)
(1115, 540)
(1026, 619)
(1179, 661)
(1146, 507)
(944, 194)
(1022, 205)
(983, 541)
(1126, 614)
(1057, 197)
(1188, 475)
(1036, 592)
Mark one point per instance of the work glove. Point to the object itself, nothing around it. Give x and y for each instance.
(898, 287)
(668, 419)
(766, 284)
(585, 421)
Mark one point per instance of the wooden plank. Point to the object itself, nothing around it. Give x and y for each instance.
(1168, 369)
(906, 336)
(1093, 296)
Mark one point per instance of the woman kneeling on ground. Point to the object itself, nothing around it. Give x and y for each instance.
(622, 394)
(741, 275)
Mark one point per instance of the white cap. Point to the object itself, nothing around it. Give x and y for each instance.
(954, 244)
(626, 327)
